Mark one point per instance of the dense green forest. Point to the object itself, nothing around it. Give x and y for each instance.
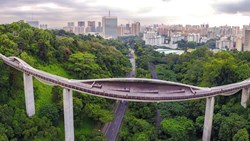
(64, 54)
(86, 57)
(183, 121)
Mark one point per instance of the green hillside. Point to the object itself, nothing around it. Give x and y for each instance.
(63, 54)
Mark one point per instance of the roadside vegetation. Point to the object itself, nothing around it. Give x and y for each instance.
(183, 121)
(87, 57)
(63, 54)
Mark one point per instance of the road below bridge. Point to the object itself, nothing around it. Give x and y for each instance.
(154, 76)
(125, 89)
(113, 127)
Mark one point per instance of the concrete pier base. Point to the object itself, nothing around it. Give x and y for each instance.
(29, 94)
(208, 119)
(68, 114)
(244, 97)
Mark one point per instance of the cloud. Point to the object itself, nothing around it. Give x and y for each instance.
(52, 11)
(144, 10)
(56, 13)
(233, 7)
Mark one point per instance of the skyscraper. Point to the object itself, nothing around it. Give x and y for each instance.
(136, 28)
(81, 23)
(70, 27)
(71, 24)
(99, 27)
(109, 26)
(239, 44)
(120, 30)
(99, 24)
(247, 39)
(127, 29)
(91, 24)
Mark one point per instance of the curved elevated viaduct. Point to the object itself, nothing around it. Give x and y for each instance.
(129, 89)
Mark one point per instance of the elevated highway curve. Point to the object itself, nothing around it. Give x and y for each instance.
(129, 89)
(126, 89)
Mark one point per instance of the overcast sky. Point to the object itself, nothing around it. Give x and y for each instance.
(56, 13)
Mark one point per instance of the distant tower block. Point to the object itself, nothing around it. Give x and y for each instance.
(109, 24)
(29, 94)
(247, 39)
(239, 44)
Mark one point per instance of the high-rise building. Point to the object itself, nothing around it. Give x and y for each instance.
(109, 26)
(70, 27)
(239, 44)
(193, 38)
(91, 24)
(99, 27)
(127, 29)
(235, 30)
(81, 23)
(151, 38)
(127, 26)
(79, 30)
(247, 39)
(88, 29)
(71, 24)
(99, 24)
(33, 23)
(120, 30)
(136, 28)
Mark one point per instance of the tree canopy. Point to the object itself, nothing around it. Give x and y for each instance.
(64, 54)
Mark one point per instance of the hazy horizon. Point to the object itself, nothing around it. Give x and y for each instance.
(57, 13)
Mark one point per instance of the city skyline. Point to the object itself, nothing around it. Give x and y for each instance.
(57, 13)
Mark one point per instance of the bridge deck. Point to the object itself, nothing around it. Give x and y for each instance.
(130, 89)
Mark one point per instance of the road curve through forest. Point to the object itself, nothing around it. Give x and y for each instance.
(112, 128)
(154, 76)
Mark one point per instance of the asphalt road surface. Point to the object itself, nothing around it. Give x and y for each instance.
(154, 76)
(113, 127)
(152, 71)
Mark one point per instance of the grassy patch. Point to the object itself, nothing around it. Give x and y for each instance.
(54, 69)
(85, 127)
(43, 91)
(42, 94)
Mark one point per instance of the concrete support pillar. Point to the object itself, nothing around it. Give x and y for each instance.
(208, 119)
(68, 114)
(29, 94)
(244, 97)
